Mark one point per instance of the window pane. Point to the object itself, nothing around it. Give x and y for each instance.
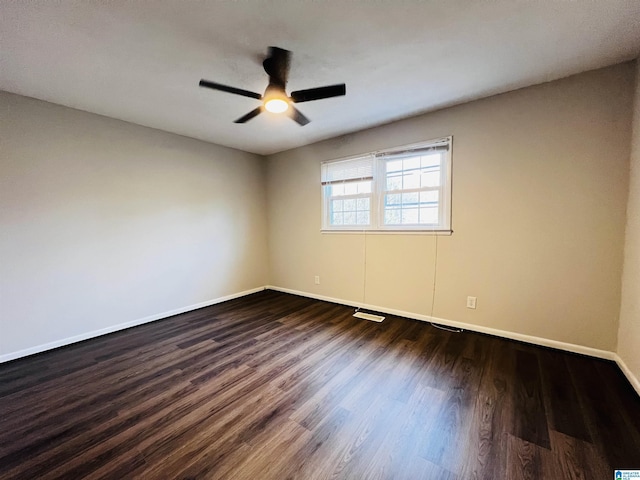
(350, 188)
(429, 215)
(362, 204)
(392, 216)
(350, 205)
(394, 183)
(337, 190)
(430, 178)
(430, 196)
(411, 180)
(411, 163)
(349, 218)
(350, 211)
(409, 215)
(431, 160)
(362, 218)
(413, 208)
(364, 187)
(393, 199)
(410, 199)
(394, 166)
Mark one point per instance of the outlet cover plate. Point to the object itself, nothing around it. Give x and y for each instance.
(471, 302)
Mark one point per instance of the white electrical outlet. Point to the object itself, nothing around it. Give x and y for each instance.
(317, 279)
(471, 302)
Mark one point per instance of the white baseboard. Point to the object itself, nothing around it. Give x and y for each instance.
(545, 342)
(114, 328)
(569, 347)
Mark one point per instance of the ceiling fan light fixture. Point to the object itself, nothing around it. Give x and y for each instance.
(275, 98)
(276, 105)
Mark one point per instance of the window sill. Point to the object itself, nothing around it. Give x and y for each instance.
(388, 232)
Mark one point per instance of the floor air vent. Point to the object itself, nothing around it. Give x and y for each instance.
(369, 316)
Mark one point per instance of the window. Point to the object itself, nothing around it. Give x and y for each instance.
(405, 188)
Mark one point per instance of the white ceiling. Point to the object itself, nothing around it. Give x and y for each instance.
(141, 61)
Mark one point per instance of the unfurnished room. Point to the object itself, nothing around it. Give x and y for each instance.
(313, 240)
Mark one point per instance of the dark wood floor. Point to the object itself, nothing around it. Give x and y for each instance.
(275, 386)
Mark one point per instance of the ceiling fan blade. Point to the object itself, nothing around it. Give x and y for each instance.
(277, 66)
(297, 116)
(249, 115)
(319, 93)
(225, 88)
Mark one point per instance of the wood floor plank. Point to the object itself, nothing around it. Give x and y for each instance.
(491, 416)
(524, 460)
(603, 415)
(577, 459)
(561, 396)
(529, 415)
(310, 460)
(281, 387)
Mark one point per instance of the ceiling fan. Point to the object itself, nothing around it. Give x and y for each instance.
(275, 98)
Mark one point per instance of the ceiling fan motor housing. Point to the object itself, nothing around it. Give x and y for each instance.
(276, 65)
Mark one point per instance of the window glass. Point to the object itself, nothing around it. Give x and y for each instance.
(408, 188)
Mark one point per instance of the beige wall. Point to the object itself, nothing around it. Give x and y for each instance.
(540, 191)
(104, 222)
(629, 334)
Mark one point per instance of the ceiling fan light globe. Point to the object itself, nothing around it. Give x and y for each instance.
(276, 105)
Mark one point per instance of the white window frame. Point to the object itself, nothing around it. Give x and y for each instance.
(378, 190)
(365, 172)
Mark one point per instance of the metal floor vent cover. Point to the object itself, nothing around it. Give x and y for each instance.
(369, 316)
